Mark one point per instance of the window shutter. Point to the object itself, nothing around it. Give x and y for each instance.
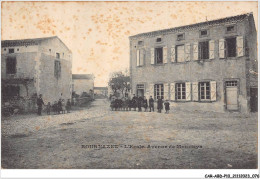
(151, 90)
(138, 58)
(213, 91)
(152, 56)
(166, 91)
(173, 56)
(211, 49)
(195, 91)
(165, 55)
(172, 91)
(221, 48)
(142, 57)
(187, 52)
(240, 46)
(188, 91)
(195, 51)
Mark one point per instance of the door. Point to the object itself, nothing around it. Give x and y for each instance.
(140, 90)
(254, 99)
(232, 95)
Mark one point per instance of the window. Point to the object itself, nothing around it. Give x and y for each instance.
(203, 33)
(11, 65)
(140, 86)
(158, 91)
(230, 28)
(58, 55)
(159, 55)
(18, 49)
(180, 53)
(231, 83)
(11, 50)
(4, 49)
(181, 91)
(49, 50)
(140, 42)
(204, 91)
(180, 37)
(57, 69)
(158, 39)
(10, 91)
(231, 47)
(204, 50)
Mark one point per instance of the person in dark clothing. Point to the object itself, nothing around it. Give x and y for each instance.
(151, 103)
(167, 106)
(48, 108)
(128, 104)
(116, 104)
(112, 105)
(139, 103)
(39, 104)
(145, 104)
(68, 106)
(134, 102)
(59, 106)
(159, 104)
(55, 107)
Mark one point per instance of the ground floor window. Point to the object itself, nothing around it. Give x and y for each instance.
(158, 91)
(140, 90)
(180, 91)
(204, 90)
(10, 91)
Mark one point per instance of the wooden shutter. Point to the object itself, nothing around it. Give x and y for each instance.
(173, 56)
(187, 52)
(152, 56)
(195, 51)
(138, 58)
(151, 90)
(211, 49)
(172, 91)
(188, 91)
(195, 91)
(142, 57)
(240, 46)
(165, 55)
(213, 91)
(221, 48)
(166, 91)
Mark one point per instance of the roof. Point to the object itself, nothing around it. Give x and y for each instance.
(100, 88)
(195, 26)
(83, 76)
(27, 42)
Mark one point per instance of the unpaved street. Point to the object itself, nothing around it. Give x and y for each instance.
(224, 140)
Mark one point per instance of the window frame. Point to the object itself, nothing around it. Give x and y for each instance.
(11, 49)
(181, 91)
(183, 36)
(201, 36)
(8, 59)
(155, 56)
(205, 91)
(199, 50)
(235, 28)
(57, 69)
(160, 88)
(176, 53)
(156, 40)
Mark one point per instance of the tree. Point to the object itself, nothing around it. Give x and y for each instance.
(119, 82)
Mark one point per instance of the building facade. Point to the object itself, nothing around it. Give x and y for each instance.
(83, 83)
(210, 66)
(101, 91)
(31, 67)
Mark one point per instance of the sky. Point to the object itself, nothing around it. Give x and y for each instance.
(97, 32)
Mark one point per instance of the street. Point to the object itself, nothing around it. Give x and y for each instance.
(179, 140)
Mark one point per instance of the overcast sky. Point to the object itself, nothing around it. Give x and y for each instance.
(97, 32)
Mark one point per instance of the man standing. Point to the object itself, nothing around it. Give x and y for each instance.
(159, 104)
(134, 102)
(145, 104)
(151, 103)
(39, 104)
(139, 103)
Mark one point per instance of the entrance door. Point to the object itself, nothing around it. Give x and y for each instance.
(231, 95)
(254, 99)
(140, 90)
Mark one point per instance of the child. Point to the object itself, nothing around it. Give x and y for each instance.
(48, 108)
(167, 106)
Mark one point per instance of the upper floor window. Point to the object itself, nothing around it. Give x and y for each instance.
(204, 50)
(140, 42)
(180, 53)
(231, 47)
(204, 33)
(230, 29)
(11, 50)
(4, 49)
(11, 65)
(57, 69)
(159, 55)
(180, 37)
(159, 39)
(58, 55)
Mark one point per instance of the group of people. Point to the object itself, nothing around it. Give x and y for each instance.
(58, 107)
(126, 104)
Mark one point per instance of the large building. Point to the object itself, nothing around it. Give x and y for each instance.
(83, 83)
(30, 67)
(210, 66)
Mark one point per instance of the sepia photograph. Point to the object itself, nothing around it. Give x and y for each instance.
(129, 85)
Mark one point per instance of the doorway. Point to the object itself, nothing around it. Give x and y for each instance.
(140, 90)
(232, 95)
(254, 99)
